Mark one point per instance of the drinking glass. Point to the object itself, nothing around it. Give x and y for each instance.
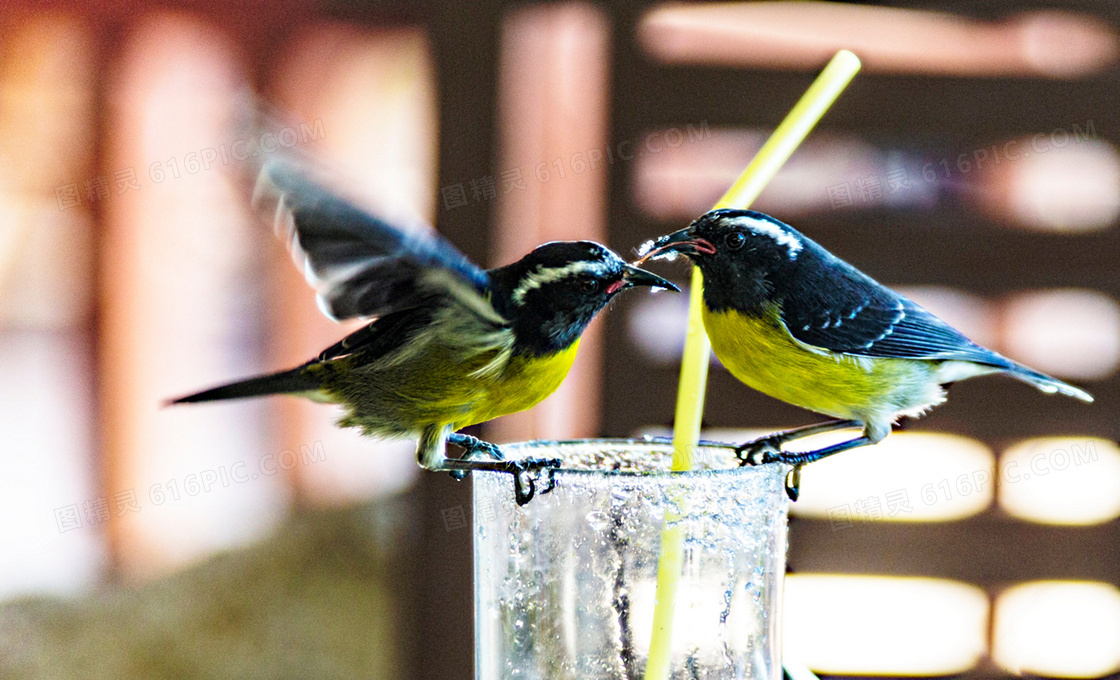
(565, 586)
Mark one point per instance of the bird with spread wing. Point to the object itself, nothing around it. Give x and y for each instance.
(451, 344)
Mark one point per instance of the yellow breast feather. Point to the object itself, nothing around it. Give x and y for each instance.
(523, 383)
(759, 351)
(441, 386)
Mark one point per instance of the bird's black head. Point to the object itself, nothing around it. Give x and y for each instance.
(551, 294)
(740, 252)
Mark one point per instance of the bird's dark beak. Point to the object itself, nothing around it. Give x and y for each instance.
(640, 277)
(683, 242)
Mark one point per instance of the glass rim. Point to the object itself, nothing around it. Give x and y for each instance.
(641, 474)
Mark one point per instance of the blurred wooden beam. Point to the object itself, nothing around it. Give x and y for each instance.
(550, 180)
(368, 96)
(803, 35)
(179, 304)
(47, 414)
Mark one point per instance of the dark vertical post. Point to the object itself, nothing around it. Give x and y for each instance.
(464, 39)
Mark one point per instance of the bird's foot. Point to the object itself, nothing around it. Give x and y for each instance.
(760, 451)
(768, 449)
(524, 484)
(525, 473)
(475, 449)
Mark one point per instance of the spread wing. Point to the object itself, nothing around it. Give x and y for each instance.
(844, 310)
(362, 266)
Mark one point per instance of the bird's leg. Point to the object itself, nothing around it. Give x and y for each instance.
(802, 458)
(524, 472)
(768, 449)
(798, 460)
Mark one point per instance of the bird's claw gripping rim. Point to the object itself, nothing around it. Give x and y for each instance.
(759, 451)
(793, 483)
(476, 449)
(524, 482)
(762, 451)
(767, 450)
(524, 473)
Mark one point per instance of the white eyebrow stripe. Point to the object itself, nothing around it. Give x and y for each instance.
(544, 275)
(766, 228)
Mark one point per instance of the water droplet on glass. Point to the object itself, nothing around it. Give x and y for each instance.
(598, 520)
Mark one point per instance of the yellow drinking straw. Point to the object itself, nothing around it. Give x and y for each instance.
(694, 364)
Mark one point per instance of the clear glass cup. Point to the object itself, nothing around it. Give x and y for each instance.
(565, 586)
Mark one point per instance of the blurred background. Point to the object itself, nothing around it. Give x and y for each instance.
(973, 164)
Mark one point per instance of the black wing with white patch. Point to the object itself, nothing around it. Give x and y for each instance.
(839, 308)
(362, 266)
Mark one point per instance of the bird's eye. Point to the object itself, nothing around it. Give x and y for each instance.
(735, 240)
(589, 286)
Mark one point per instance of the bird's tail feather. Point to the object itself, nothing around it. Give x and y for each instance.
(1046, 383)
(284, 382)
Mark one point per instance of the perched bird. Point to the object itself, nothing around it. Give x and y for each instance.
(452, 345)
(795, 322)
